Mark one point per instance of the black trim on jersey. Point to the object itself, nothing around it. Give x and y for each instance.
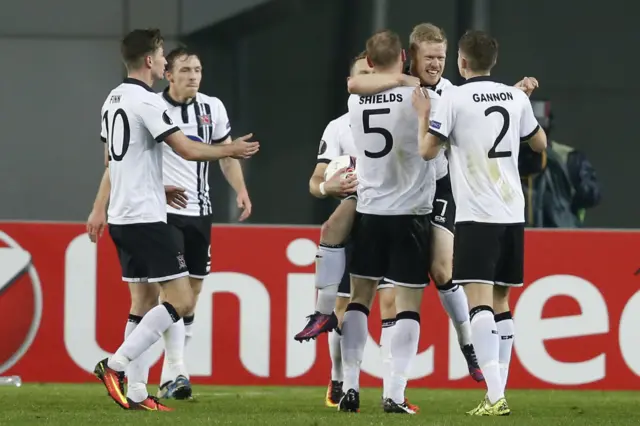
(201, 169)
(103, 139)
(184, 106)
(439, 135)
(530, 135)
(160, 138)
(137, 82)
(477, 79)
(222, 139)
(323, 160)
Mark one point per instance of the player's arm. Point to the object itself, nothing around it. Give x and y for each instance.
(316, 183)
(329, 149)
(232, 171)
(370, 84)
(530, 130)
(97, 220)
(433, 126)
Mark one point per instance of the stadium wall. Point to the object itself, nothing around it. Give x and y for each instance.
(576, 318)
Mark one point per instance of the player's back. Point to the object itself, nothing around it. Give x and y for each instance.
(133, 120)
(393, 178)
(485, 122)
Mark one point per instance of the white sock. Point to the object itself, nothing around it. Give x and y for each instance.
(335, 340)
(136, 378)
(404, 347)
(486, 343)
(506, 331)
(330, 265)
(385, 351)
(188, 329)
(354, 338)
(454, 301)
(173, 364)
(149, 331)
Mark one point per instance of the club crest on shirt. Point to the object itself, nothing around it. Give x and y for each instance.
(182, 264)
(204, 120)
(323, 147)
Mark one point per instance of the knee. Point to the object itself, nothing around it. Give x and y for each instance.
(387, 304)
(185, 304)
(501, 299)
(196, 287)
(332, 231)
(143, 302)
(441, 272)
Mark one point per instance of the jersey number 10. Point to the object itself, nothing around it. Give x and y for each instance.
(126, 134)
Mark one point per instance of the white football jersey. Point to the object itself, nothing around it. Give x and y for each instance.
(393, 178)
(441, 163)
(485, 123)
(337, 140)
(203, 119)
(134, 121)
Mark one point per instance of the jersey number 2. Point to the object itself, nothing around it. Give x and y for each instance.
(126, 134)
(505, 126)
(388, 138)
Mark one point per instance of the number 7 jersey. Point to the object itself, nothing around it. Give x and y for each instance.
(485, 123)
(134, 122)
(393, 178)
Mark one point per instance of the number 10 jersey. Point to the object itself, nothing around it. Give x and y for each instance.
(134, 122)
(393, 178)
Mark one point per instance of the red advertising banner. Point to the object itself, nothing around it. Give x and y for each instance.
(64, 307)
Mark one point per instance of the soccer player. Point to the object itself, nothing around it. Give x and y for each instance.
(428, 48)
(332, 279)
(203, 119)
(485, 122)
(391, 231)
(134, 121)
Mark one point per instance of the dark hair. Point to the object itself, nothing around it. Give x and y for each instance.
(383, 48)
(177, 53)
(479, 49)
(138, 44)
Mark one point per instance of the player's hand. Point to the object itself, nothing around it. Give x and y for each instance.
(243, 147)
(410, 81)
(527, 85)
(244, 203)
(421, 102)
(96, 224)
(176, 197)
(336, 186)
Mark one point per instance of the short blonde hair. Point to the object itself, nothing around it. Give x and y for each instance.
(426, 32)
(383, 48)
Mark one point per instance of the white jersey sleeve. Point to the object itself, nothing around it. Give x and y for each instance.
(329, 144)
(528, 122)
(103, 126)
(153, 113)
(443, 119)
(222, 127)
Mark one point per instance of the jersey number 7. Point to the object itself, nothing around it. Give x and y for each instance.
(366, 125)
(505, 126)
(126, 134)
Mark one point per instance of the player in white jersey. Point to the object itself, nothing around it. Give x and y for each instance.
(203, 119)
(428, 48)
(391, 231)
(485, 122)
(332, 278)
(134, 122)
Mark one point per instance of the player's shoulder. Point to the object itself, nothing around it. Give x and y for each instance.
(214, 101)
(443, 84)
(338, 122)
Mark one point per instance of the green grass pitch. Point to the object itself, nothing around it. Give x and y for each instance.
(88, 405)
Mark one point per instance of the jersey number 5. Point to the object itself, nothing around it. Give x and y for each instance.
(126, 134)
(505, 126)
(388, 138)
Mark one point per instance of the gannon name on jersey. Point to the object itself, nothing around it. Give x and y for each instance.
(492, 97)
(383, 98)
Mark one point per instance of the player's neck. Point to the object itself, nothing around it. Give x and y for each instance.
(173, 94)
(144, 77)
(477, 74)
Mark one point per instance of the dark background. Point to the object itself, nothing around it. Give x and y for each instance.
(280, 67)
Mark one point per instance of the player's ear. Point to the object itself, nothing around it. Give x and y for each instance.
(147, 61)
(369, 62)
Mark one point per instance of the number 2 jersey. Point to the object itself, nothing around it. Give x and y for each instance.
(485, 123)
(134, 122)
(393, 178)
